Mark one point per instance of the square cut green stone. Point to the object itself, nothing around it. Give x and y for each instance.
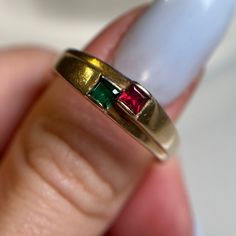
(105, 93)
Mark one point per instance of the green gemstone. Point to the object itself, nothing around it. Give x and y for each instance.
(104, 93)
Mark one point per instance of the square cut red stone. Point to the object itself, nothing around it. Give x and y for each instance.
(134, 98)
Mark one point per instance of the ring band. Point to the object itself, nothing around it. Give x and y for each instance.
(125, 101)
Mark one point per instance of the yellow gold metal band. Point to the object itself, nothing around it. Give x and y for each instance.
(123, 100)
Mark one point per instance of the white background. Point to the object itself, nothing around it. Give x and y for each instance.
(207, 127)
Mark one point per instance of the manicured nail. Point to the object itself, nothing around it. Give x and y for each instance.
(168, 46)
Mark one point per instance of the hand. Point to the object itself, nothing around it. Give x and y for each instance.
(66, 168)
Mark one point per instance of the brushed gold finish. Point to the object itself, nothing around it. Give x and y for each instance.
(151, 126)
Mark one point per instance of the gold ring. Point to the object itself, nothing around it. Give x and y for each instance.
(125, 101)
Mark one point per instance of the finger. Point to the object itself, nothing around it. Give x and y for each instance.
(160, 205)
(20, 85)
(62, 177)
(158, 51)
(133, 168)
(32, 72)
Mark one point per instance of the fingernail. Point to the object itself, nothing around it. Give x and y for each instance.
(198, 229)
(168, 46)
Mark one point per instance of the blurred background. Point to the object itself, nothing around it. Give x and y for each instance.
(207, 128)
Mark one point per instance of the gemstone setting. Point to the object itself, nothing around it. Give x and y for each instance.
(104, 93)
(134, 98)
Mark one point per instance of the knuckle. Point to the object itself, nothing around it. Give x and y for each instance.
(67, 171)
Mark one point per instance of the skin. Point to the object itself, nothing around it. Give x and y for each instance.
(60, 177)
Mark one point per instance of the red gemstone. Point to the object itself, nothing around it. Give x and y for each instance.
(134, 98)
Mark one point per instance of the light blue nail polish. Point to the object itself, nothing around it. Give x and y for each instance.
(168, 46)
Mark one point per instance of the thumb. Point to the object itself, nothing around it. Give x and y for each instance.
(65, 173)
